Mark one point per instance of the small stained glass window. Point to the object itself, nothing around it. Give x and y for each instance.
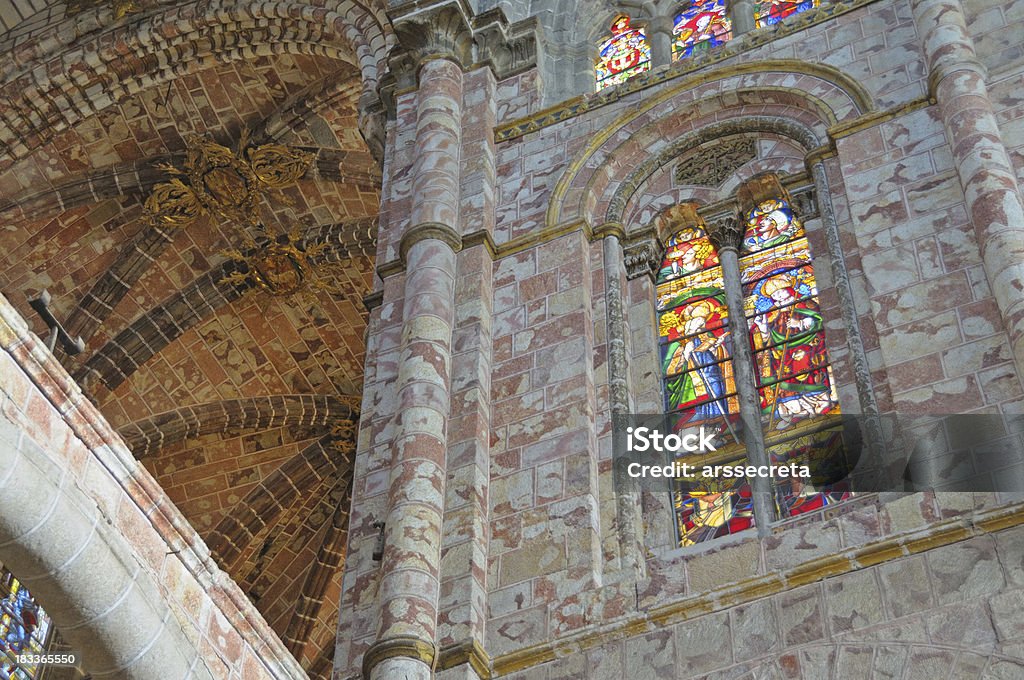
(624, 55)
(703, 25)
(24, 628)
(769, 12)
(782, 323)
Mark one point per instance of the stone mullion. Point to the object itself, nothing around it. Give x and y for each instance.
(983, 166)
(742, 15)
(406, 644)
(725, 234)
(659, 35)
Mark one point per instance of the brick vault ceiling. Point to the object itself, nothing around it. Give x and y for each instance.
(69, 221)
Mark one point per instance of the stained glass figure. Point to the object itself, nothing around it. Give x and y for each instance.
(770, 224)
(695, 359)
(624, 55)
(782, 321)
(24, 628)
(706, 513)
(699, 27)
(786, 332)
(769, 12)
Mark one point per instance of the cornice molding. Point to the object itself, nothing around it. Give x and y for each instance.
(610, 229)
(927, 538)
(468, 652)
(494, 251)
(873, 118)
(450, 30)
(424, 231)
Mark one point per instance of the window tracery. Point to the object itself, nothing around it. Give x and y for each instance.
(626, 54)
(782, 322)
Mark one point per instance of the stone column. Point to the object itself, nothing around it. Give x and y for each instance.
(725, 234)
(406, 645)
(986, 174)
(874, 439)
(742, 15)
(659, 33)
(628, 499)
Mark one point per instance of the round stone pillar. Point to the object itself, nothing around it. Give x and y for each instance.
(659, 32)
(726, 233)
(410, 570)
(983, 166)
(742, 15)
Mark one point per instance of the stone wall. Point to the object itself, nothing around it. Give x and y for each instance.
(125, 578)
(952, 611)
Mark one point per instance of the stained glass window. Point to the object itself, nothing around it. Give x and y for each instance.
(702, 25)
(24, 628)
(784, 327)
(624, 55)
(768, 12)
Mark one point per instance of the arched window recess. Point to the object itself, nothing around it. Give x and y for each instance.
(742, 352)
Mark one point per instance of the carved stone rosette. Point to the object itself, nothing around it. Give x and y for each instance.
(223, 182)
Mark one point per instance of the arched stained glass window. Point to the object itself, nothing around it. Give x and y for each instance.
(768, 12)
(702, 25)
(24, 628)
(624, 55)
(783, 324)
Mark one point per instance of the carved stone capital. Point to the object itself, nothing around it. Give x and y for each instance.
(642, 258)
(506, 49)
(803, 203)
(724, 230)
(441, 31)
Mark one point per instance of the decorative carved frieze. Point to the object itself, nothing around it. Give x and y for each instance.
(711, 165)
